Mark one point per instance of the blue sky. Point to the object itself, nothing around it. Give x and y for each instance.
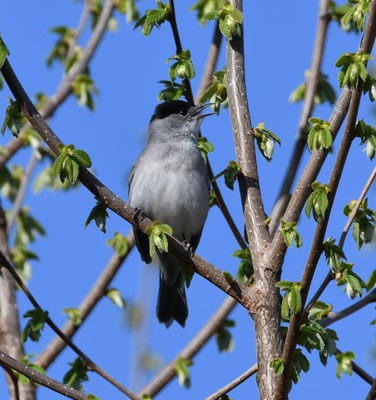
(278, 45)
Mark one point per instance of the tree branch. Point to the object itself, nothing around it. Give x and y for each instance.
(193, 347)
(56, 346)
(316, 248)
(308, 104)
(90, 364)
(232, 385)
(65, 87)
(329, 277)
(21, 192)
(7, 361)
(359, 371)
(372, 393)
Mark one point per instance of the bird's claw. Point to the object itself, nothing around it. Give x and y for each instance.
(188, 247)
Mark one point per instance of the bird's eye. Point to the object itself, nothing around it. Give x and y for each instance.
(183, 112)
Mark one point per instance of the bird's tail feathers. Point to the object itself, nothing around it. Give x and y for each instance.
(172, 302)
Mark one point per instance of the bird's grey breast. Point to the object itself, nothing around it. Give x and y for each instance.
(172, 186)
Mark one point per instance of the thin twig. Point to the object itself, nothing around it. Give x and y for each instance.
(211, 63)
(232, 385)
(316, 248)
(333, 317)
(193, 347)
(80, 28)
(21, 192)
(14, 379)
(35, 376)
(308, 102)
(372, 392)
(90, 364)
(56, 346)
(330, 276)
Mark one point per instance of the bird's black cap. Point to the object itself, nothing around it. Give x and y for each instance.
(171, 107)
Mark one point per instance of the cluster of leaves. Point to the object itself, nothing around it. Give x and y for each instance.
(216, 93)
(292, 301)
(67, 164)
(245, 269)
(324, 92)
(34, 325)
(83, 89)
(354, 285)
(76, 375)
(290, 234)
(229, 19)
(4, 52)
(319, 311)
(367, 135)
(300, 363)
(10, 181)
(61, 48)
(45, 179)
(119, 243)
(364, 223)
(317, 202)
(26, 361)
(357, 13)
(370, 87)
(353, 67)
(27, 228)
(265, 140)
(338, 12)
(14, 118)
(319, 136)
(223, 337)
(205, 147)
(172, 91)
(99, 214)
(313, 336)
(154, 17)
(344, 363)
(157, 237)
(230, 173)
(74, 314)
(204, 7)
(182, 372)
(333, 254)
(20, 257)
(183, 66)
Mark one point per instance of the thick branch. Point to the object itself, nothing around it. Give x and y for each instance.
(56, 346)
(7, 361)
(316, 248)
(90, 364)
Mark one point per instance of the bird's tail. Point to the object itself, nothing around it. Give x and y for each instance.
(172, 302)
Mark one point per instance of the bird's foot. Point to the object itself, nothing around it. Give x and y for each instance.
(188, 247)
(138, 214)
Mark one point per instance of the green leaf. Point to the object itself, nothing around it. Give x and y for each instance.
(231, 173)
(99, 215)
(295, 301)
(277, 365)
(4, 52)
(285, 308)
(25, 360)
(205, 147)
(74, 314)
(76, 375)
(333, 254)
(84, 89)
(285, 285)
(290, 234)
(319, 136)
(27, 228)
(229, 278)
(34, 325)
(371, 281)
(181, 369)
(224, 339)
(344, 361)
(245, 269)
(115, 297)
(82, 157)
(14, 118)
(320, 310)
(120, 244)
(157, 237)
(265, 141)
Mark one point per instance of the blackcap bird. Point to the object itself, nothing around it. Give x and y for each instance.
(169, 183)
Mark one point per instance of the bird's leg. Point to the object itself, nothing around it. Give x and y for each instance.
(188, 247)
(138, 214)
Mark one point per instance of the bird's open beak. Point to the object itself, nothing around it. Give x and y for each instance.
(200, 108)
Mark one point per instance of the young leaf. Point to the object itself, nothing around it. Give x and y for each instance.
(4, 52)
(277, 365)
(34, 325)
(319, 136)
(353, 68)
(265, 141)
(318, 201)
(344, 361)
(157, 237)
(245, 269)
(99, 215)
(76, 375)
(120, 244)
(74, 314)
(290, 234)
(205, 147)
(14, 118)
(181, 369)
(115, 297)
(223, 337)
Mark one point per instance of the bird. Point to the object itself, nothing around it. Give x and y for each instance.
(169, 183)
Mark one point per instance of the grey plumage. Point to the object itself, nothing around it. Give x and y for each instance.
(169, 183)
